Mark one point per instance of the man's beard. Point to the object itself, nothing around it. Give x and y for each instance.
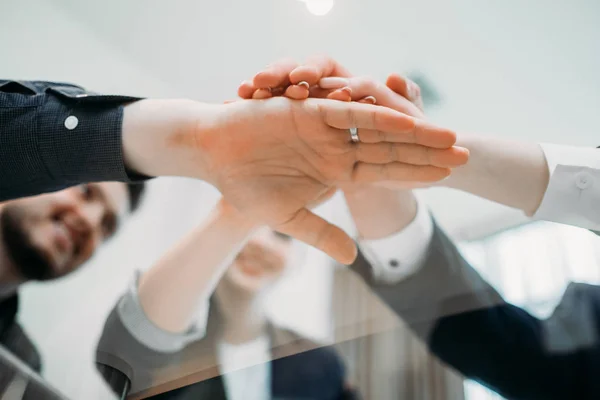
(30, 262)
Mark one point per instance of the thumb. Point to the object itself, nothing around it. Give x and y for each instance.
(313, 230)
(322, 198)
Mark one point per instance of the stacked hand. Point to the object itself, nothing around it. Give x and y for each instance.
(273, 159)
(323, 77)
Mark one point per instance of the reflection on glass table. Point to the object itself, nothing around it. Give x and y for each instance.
(532, 266)
(228, 348)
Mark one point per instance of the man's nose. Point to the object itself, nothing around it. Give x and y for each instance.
(91, 213)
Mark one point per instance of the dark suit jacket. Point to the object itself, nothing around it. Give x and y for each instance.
(19, 359)
(13, 338)
(39, 154)
(467, 324)
(300, 369)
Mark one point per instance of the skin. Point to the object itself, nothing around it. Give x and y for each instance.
(272, 158)
(509, 172)
(66, 227)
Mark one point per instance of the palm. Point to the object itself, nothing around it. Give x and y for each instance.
(272, 170)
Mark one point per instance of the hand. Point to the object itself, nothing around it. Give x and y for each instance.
(299, 82)
(273, 171)
(323, 77)
(272, 159)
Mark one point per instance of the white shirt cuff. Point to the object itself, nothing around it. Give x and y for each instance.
(573, 193)
(400, 255)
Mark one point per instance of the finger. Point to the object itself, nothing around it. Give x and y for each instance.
(363, 87)
(368, 100)
(423, 133)
(381, 124)
(316, 68)
(246, 90)
(275, 75)
(343, 94)
(315, 231)
(383, 153)
(298, 92)
(398, 84)
(371, 173)
(406, 88)
(261, 94)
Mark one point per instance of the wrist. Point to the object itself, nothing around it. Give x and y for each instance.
(381, 212)
(162, 137)
(231, 216)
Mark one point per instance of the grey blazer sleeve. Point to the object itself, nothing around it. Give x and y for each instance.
(41, 152)
(445, 285)
(133, 345)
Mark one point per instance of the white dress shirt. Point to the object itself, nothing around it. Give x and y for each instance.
(397, 256)
(246, 369)
(573, 193)
(572, 197)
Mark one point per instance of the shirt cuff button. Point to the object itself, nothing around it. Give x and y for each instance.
(394, 263)
(71, 122)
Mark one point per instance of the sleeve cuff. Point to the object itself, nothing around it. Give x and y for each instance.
(400, 255)
(574, 187)
(81, 137)
(144, 331)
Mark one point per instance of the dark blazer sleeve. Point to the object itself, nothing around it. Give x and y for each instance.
(467, 324)
(14, 338)
(38, 151)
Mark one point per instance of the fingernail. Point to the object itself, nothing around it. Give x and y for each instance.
(370, 99)
(303, 83)
(333, 83)
(347, 90)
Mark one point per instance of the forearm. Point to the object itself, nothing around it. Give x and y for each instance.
(56, 135)
(186, 276)
(165, 137)
(508, 172)
(380, 212)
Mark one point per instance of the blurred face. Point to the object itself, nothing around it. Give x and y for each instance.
(261, 262)
(51, 235)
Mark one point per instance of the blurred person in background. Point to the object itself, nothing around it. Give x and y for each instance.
(49, 236)
(173, 329)
(175, 326)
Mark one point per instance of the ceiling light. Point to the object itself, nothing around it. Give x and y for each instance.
(319, 7)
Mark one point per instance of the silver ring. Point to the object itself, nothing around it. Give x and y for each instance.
(354, 135)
